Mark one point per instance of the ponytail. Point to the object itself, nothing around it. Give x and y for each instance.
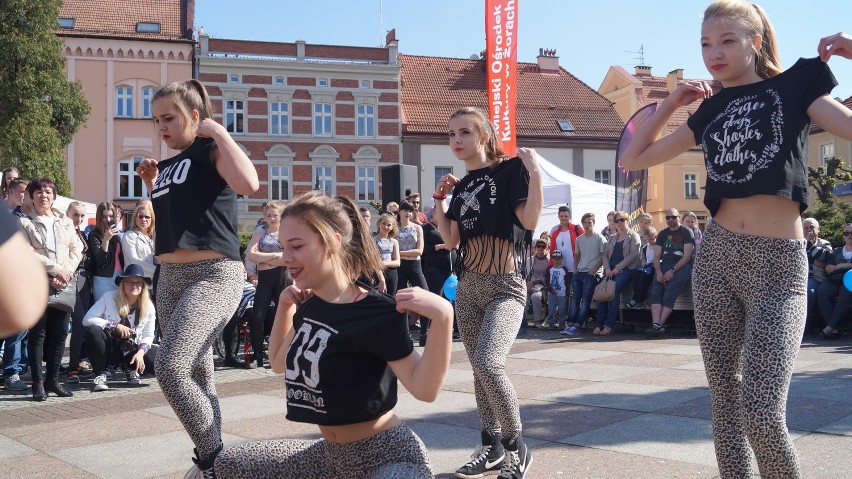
(360, 251)
(768, 61)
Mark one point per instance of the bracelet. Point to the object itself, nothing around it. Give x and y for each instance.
(439, 197)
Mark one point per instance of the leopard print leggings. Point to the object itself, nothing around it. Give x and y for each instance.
(750, 316)
(194, 302)
(489, 310)
(393, 454)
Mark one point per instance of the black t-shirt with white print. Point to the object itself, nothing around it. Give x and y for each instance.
(337, 364)
(194, 206)
(755, 136)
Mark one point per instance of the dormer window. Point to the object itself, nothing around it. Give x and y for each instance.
(67, 23)
(565, 126)
(148, 27)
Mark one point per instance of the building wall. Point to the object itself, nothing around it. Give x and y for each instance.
(816, 149)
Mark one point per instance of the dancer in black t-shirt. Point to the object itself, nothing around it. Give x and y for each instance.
(194, 195)
(749, 277)
(341, 349)
(493, 209)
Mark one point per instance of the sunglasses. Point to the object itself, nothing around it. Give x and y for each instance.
(671, 217)
(539, 246)
(143, 217)
(621, 220)
(847, 233)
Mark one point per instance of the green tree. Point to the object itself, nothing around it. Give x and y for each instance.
(831, 213)
(40, 110)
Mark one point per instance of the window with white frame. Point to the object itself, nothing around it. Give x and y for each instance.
(147, 97)
(233, 78)
(234, 116)
(279, 118)
(322, 119)
(603, 176)
(366, 84)
(324, 179)
(366, 186)
(279, 182)
(826, 152)
(130, 185)
(441, 171)
(322, 82)
(124, 102)
(279, 80)
(690, 185)
(365, 119)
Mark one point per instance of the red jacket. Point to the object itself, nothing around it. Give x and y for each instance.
(575, 230)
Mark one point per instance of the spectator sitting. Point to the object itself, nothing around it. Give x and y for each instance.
(536, 277)
(691, 222)
(643, 222)
(557, 291)
(643, 279)
(137, 245)
(838, 264)
(120, 328)
(620, 262)
(588, 257)
(672, 270)
(818, 250)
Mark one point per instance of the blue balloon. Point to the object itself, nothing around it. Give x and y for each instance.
(847, 280)
(450, 286)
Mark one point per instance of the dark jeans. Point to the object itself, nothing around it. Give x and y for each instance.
(642, 280)
(270, 283)
(47, 342)
(104, 350)
(608, 312)
(833, 313)
(582, 287)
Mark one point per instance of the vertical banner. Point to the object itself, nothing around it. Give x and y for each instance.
(630, 186)
(501, 59)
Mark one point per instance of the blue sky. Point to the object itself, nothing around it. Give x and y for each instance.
(589, 36)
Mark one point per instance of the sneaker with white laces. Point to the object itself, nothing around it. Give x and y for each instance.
(486, 460)
(100, 383)
(133, 378)
(202, 469)
(518, 459)
(14, 383)
(655, 331)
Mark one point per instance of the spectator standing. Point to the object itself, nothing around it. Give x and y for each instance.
(137, 244)
(411, 241)
(610, 225)
(672, 270)
(558, 281)
(620, 262)
(9, 174)
(77, 213)
(414, 199)
(563, 237)
(588, 260)
(388, 247)
(105, 247)
(436, 260)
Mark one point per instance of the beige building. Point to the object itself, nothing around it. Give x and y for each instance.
(121, 52)
(679, 182)
(822, 145)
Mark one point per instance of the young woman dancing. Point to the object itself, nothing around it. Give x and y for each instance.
(493, 210)
(194, 194)
(341, 349)
(750, 312)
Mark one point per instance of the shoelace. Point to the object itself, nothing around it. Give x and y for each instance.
(479, 455)
(512, 460)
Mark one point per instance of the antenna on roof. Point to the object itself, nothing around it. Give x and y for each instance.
(381, 23)
(641, 54)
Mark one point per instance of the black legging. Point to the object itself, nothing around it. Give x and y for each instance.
(391, 280)
(105, 350)
(47, 341)
(436, 275)
(78, 331)
(270, 283)
(410, 273)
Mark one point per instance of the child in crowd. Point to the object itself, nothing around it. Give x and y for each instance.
(557, 291)
(388, 247)
(642, 281)
(690, 220)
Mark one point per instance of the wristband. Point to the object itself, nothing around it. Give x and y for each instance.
(439, 197)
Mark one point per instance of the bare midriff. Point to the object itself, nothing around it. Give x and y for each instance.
(358, 431)
(761, 215)
(184, 256)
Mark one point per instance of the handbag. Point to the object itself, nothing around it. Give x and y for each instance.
(604, 291)
(65, 298)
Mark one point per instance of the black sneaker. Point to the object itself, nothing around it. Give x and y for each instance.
(655, 331)
(486, 460)
(518, 459)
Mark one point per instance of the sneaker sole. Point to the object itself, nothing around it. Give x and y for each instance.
(475, 476)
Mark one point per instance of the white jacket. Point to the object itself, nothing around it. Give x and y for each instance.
(105, 311)
(138, 248)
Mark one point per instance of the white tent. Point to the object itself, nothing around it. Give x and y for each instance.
(581, 195)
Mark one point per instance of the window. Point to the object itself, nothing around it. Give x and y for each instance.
(147, 96)
(690, 186)
(602, 176)
(234, 115)
(322, 82)
(67, 23)
(367, 187)
(365, 117)
(565, 126)
(279, 118)
(365, 84)
(129, 183)
(324, 179)
(322, 119)
(148, 27)
(233, 78)
(826, 152)
(279, 182)
(124, 102)
(279, 80)
(441, 171)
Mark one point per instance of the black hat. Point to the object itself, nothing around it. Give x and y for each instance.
(132, 270)
(556, 254)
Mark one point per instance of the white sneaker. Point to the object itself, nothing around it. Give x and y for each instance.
(133, 378)
(100, 383)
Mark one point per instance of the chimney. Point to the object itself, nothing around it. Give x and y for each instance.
(672, 79)
(300, 50)
(392, 44)
(547, 61)
(643, 70)
(203, 41)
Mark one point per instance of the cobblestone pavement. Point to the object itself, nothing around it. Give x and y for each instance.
(593, 407)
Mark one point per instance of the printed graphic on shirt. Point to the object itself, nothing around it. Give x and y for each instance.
(302, 376)
(172, 174)
(557, 281)
(744, 138)
(470, 202)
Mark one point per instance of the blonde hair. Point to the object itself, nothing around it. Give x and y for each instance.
(187, 95)
(650, 231)
(390, 218)
(751, 18)
(275, 205)
(123, 305)
(326, 215)
(76, 205)
(493, 146)
(147, 206)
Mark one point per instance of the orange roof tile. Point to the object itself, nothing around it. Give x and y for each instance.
(118, 18)
(434, 87)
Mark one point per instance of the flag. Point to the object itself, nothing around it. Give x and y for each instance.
(630, 186)
(501, 59)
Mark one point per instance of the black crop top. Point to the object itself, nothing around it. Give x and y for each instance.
(195, 207)
(755, 136)
(484, 203)
(337, 364)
